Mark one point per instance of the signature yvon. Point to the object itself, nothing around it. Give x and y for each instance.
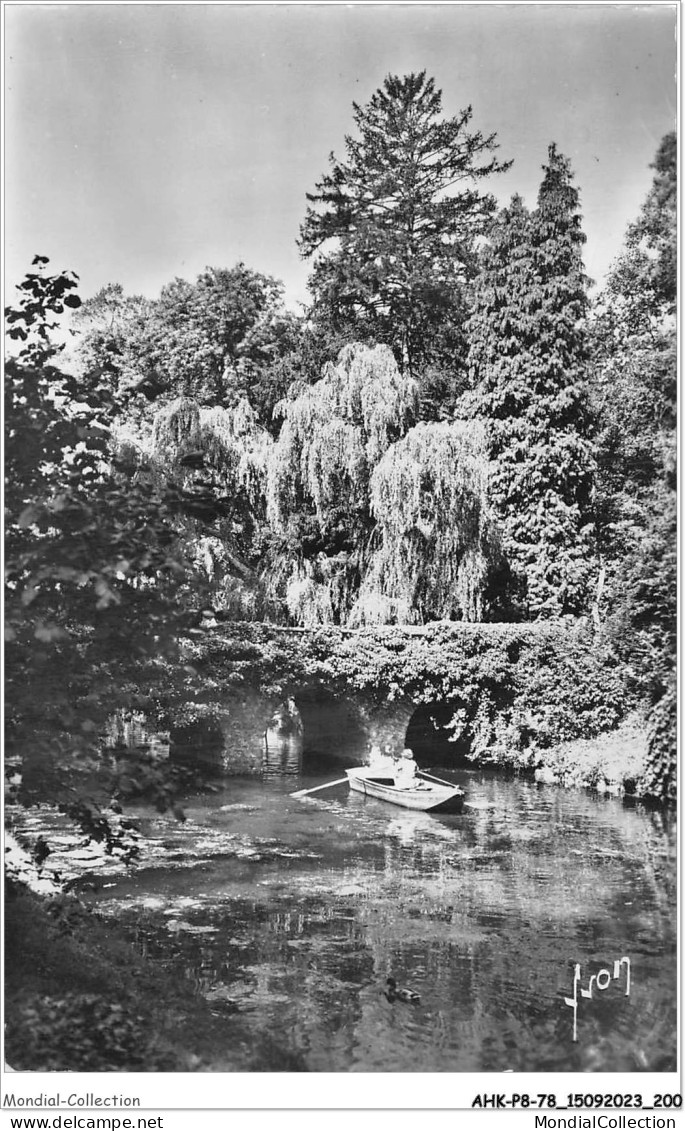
(600, 981)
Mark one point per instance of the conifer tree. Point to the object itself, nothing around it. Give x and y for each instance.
(634, 391)
(402, 212)
(528, 356)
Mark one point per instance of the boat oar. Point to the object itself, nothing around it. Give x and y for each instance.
(467, 804)
(451, 784)
(328, 785)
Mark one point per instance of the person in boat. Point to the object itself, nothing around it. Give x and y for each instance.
(382, 764)
(406, 770)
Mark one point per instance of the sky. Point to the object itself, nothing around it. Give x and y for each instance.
(144, 142)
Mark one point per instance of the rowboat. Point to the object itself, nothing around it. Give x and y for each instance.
(427, 796)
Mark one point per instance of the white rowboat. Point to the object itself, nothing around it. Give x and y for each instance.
(426, 796)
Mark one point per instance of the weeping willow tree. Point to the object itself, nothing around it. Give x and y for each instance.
(228, 441)
(217, 455)
(237, 449)
(334, 433)
(175, 430)
(215, 461)
(436, 544)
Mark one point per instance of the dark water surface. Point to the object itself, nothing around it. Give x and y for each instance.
(289, 916)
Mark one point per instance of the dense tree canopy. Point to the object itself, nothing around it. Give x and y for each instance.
(215, 334)
(216, 459)
(113, 340)
(318, 499)
(644, 281)
(396, 223)
(383, 520)
(453, 432)
(216, 340)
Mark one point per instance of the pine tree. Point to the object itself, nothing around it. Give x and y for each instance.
(528, 358)
(403, 212)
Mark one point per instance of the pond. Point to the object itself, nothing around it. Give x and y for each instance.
(289, 915)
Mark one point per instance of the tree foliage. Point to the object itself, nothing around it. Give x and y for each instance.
(429, 497)
(382, 521)
(634, 388)
(643, 282)
(114, 341)
(396, 223)
(216, 334)
(91, 561)
(660, 780)
(214, 341)
(333, 435)
(215, 460)
(528, 355)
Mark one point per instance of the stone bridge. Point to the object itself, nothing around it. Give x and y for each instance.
(314, 723)
(328, 694)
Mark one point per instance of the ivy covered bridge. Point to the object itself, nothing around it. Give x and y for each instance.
(480, 692)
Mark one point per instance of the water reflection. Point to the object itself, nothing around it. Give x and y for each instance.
(283, 742)
(282, 755)
(302, 909)
(131, 730)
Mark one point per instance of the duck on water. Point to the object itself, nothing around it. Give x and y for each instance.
(393, 992)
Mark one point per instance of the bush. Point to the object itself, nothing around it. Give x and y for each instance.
(80, 1033)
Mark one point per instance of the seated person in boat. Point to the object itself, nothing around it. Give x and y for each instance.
(382, 763)
(406, 770)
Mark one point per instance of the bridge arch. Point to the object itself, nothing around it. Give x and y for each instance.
(433, 737)
(327, 726)
(333, 728)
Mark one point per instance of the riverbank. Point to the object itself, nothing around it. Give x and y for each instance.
(81, 997)
(613, 763)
